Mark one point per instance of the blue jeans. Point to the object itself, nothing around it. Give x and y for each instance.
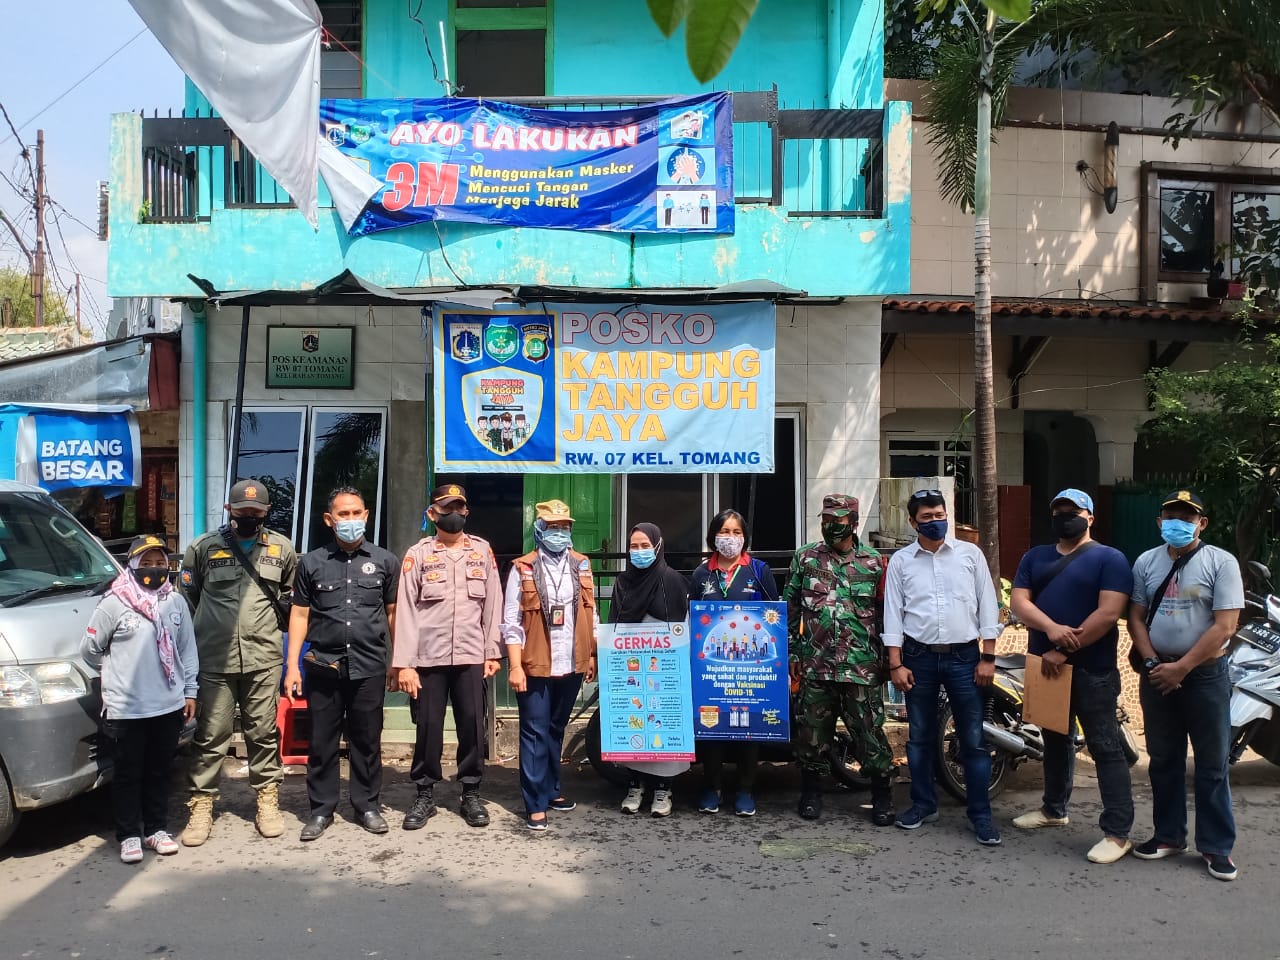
(545, 708)
(1201, 712)
(1093, 701)
(954, 673)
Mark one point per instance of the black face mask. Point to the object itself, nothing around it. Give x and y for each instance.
(1069, 526)
(451, 522)
(151, 578)
(247, 527)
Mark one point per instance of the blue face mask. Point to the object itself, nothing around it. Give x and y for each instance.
(554, 540)
(933, 529)
(643, 559)
(349, 531)
(1178, 533)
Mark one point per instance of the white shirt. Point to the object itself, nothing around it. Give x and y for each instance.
(941, 597)
(558, 578)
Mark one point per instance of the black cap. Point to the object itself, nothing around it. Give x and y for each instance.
(248, 493)
(448, 493)
(1184, 498)
(141, 545)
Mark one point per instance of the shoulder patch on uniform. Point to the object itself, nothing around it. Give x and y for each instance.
(175, 618)
(585, 565)
(407, 565)
(186, 577)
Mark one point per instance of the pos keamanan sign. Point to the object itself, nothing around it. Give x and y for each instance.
(606, 388)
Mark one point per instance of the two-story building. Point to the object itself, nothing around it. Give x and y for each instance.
(821, 184)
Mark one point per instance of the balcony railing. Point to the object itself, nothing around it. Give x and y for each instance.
(811, 163)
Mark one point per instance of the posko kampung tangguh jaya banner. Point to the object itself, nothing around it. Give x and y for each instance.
(605, 388)
(665, 167)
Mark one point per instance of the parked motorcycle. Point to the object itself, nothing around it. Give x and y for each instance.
(1010, 741)
(1254, 666)
(584, 747)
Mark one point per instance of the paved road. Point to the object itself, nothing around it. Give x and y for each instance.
(603, 885)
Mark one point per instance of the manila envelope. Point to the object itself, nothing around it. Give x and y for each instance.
(1047, 701)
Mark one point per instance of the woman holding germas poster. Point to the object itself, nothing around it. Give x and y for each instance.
(730, 574)
(649, 590)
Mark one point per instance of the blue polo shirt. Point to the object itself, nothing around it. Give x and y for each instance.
(1073, 595)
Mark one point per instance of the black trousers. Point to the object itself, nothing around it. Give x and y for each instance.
(332, 700)
(143, 751)
(462, 687)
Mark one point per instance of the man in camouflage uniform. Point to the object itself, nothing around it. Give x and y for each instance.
(836, 655)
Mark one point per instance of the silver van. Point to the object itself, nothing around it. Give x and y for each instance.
(52, 573)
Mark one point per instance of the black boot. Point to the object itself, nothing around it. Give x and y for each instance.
(882, 801)
(810, 806)
(472, 807)
(423, 809)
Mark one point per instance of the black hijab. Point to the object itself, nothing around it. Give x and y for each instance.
(656, 590)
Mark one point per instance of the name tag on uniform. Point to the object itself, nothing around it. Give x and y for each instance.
(557, 615)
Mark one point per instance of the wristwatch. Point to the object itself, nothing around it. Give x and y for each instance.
(1150, 664)
(988, 658)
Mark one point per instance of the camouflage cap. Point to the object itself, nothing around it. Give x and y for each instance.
(839, 505)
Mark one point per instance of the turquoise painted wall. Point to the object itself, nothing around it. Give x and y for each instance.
(819, 52)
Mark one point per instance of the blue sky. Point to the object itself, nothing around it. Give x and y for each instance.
(49, 45)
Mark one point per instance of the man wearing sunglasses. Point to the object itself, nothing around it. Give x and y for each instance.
(940, 626)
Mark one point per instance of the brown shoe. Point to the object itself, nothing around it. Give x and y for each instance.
(268, 821)
(201, 820)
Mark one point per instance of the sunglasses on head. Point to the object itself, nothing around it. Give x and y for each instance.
(921, 494)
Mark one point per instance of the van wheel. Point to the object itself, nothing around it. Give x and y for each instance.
(8, 812)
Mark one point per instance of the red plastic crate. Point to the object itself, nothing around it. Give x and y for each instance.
(294, 723)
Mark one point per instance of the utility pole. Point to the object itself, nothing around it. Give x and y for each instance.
(37, 263)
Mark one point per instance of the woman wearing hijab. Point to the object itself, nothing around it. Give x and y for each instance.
(649, 590)
(731, 574)
(141, 640)
(549, 625)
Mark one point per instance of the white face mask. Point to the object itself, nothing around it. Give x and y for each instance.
(728, 545)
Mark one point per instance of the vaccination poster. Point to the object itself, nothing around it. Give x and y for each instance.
(741, 688)
(645, 705)
(664, 167)
(605, 388)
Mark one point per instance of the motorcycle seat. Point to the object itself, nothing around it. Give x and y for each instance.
(1011, 661)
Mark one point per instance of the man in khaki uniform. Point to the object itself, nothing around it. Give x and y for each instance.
(448, 609)
(239, 621)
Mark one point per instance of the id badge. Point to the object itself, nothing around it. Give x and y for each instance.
(557, 615)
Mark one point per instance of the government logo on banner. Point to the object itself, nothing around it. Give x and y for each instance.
(606, 388)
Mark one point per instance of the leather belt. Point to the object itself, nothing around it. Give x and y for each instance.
(941, 647)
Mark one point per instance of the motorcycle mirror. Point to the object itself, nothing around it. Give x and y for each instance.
(1260, 572)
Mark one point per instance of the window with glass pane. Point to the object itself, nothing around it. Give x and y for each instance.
(271, 453)
(1186, 229)
(340, 70)
(1255, 236)
(773, 522)
(502, 63)
(346, 451)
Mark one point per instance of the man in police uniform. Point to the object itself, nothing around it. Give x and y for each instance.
(235, 580)
(448, 610)
(837, 657)
(344, 604)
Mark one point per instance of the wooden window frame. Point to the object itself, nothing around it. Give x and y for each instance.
(503, 18)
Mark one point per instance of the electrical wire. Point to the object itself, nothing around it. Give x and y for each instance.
(101, 63)
(26, 151)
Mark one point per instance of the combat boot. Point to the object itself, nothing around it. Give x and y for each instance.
(201, 820)
(268, 821)
(810, 806)
(882, 813)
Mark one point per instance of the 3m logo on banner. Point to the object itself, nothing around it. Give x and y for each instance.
(606, 389)
(657, 168)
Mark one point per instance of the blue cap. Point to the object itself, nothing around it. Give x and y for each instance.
(1078, 497)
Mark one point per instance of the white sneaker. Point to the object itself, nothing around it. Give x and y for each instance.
(631, 802)
(1038, 818)
(161, 843)
(131, 850)
(661, 803)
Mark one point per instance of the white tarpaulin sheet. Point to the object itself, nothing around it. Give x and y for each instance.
(258, 64)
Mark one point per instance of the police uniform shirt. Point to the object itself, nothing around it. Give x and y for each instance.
(237, 630)
(348, 593)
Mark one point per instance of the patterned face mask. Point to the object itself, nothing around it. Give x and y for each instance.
(834, 531)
